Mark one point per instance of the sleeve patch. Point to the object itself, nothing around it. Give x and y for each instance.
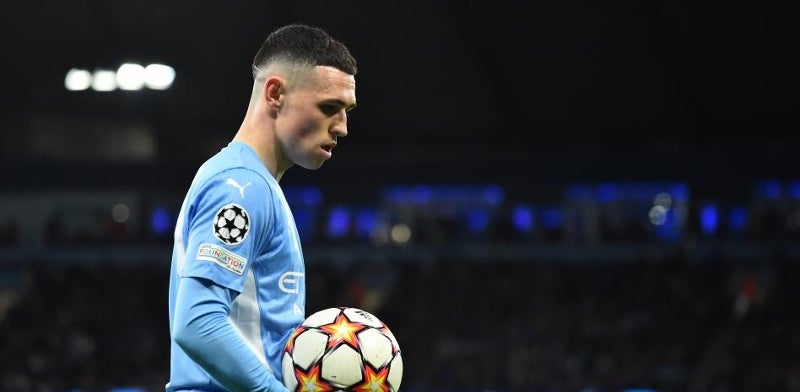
(231, 224)
(222, 257)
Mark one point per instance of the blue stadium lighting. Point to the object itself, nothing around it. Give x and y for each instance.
(312, 196)
(680, 192)
(606, 192)
(770, 189)
(338, 222)
(366, 220)
(452, 194)
(396, 193)
(422, 194)
(494, 195)
(304, 195)
(160, 221)
(638, 191)
(477, 221)
(523, 219)
(709, 219)
(794, 189)
(551, 218)
(737, 218)
(668, 231)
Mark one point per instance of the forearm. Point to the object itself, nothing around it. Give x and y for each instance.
(202, 330)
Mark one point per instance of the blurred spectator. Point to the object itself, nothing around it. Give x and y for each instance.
(504, 326)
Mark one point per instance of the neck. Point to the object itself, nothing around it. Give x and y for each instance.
(259, 135)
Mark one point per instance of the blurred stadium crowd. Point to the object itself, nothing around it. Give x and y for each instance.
(609, 287)
(665, 324)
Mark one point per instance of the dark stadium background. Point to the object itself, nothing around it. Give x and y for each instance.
(571, 117)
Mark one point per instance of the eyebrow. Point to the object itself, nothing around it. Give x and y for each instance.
(347, 107)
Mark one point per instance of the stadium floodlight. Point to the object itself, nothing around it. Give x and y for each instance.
(104, 80)
(159, 76)
(130, 76)
(78, 79)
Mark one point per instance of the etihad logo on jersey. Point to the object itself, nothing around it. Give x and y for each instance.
(289, 282)
(222, 257)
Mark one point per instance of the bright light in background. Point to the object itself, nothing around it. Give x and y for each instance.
(104, 80)
(657, 215)
(159, 76)
(338, 222)
(709, 219)
(664, 200)
(77, 79)
(130, 76)
(120, 213)
(523, 218)
(400, 233)
(160, 221)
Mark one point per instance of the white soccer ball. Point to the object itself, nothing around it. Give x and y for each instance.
(342, 348)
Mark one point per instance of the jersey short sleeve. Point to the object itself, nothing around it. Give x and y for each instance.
(228, 216)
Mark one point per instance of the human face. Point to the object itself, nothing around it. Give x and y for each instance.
(313, 116)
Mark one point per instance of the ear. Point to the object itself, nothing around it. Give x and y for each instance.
(273, 92)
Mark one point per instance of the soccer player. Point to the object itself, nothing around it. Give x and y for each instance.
(237, 285)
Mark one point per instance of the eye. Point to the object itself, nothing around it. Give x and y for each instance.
(329, 109)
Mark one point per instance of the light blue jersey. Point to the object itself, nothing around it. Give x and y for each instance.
(235, 228)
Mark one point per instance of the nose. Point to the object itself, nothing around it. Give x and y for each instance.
(339, 127)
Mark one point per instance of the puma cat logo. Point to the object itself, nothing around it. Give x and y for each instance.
(233, 183)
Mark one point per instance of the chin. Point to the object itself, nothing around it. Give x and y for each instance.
(311, 165)
(311, 161)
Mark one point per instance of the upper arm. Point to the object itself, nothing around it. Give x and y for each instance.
(231, 212)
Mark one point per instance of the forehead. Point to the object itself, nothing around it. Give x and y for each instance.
(331, 83)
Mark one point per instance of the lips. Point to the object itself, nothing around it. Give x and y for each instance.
(328, 147)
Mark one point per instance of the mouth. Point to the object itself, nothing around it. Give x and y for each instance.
(328, 147)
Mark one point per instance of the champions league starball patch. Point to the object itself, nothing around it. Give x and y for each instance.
(232, 223)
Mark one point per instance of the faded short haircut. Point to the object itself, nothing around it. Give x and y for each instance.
(303, 45)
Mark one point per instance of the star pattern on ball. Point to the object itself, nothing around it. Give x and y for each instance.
(374, 381)
(343, 330)
(290, 343)
(387, 332)
(342, 349)
(310, 381)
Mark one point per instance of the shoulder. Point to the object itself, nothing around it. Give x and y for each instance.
(234, 176)
(233, 171)
(235, 184)
(230, 201)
